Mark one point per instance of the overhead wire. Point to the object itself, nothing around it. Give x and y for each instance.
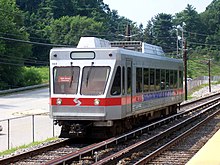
(12, 60)
(31, 42)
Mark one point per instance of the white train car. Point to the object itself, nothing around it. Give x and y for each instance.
(99, 88)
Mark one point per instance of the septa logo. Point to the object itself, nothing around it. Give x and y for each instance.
(78, 103)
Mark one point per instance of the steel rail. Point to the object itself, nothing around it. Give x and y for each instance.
(34, 152)
(114, 141)
(199, 99)
(90, 150)
(114, 158)
(176, 140)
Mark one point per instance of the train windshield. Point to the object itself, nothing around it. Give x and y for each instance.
(66, 80)
(94, 80)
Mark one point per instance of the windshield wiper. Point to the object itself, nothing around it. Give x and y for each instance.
(71, 80)
(88, 75)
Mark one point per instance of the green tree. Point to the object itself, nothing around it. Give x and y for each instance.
(68, 30)
(162, 27)
(13, 53)
(148, 34)
(194, 28)
(28, 5)
(212, 19)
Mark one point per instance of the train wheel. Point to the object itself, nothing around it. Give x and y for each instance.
(117, 128)
(127, 124)
(112, 131)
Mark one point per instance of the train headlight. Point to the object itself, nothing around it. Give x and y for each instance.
(59, 101)
(96, 102)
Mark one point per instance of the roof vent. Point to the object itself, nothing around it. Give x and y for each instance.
(139, 46)
(93, 42)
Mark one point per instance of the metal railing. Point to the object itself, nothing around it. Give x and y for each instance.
(201, 80)
(23, 130)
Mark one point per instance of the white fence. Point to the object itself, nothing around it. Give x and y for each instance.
(27, 129)
(200, 80)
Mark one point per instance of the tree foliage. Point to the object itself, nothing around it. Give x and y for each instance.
(193, 25)
(211, 17)
(64, 22)
(68, 30)
(162, 31)
(12, 52)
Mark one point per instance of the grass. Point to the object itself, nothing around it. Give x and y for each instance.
(12, 150)
(196, 89)
(198, 67)
(200, 87)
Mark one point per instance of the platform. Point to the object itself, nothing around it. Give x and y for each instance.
(209, 154)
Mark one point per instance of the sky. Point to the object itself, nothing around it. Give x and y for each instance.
(141, 11)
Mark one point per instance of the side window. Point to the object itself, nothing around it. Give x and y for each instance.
(163, 82)
(129, 80)
(180, 79)
(167, 79)
(171, 79)
(175, 79)
(139, 87)
(123, 80)
(152, 79)
(157, 79)
(116, 87)
(146, 79)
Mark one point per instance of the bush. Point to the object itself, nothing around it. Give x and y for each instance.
(31, 76)
(44, 72)
(3, 85)
(24, 76)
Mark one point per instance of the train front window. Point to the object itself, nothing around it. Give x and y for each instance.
(66, 80)
(94, 80)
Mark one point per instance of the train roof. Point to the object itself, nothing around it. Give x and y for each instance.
(130, 48)
(126, 47)
(93, 42)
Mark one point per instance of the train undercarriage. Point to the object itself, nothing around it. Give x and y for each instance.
(82, 129)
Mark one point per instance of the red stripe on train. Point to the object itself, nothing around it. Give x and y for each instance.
(112, 101)
(87, 101)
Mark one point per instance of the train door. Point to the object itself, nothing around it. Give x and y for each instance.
(128, 85)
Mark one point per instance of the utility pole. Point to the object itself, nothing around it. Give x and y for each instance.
(185, 67)
(128, 32)
(184, 54)
(177, 43)
(209, 65)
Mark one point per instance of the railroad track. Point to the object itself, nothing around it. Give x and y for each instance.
(180, 152)
(128, 147)
(43, 154)
(186, 142)
(191, 104)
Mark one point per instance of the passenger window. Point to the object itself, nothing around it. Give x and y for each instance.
(180, 79)
(167, 79)
(116, 87)
(146, 79)
(152, 79)
(157, 79)
(139, 87)
(175, 79)
(171, 79)
(163, 82)
(129, 78)
(123, 80)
